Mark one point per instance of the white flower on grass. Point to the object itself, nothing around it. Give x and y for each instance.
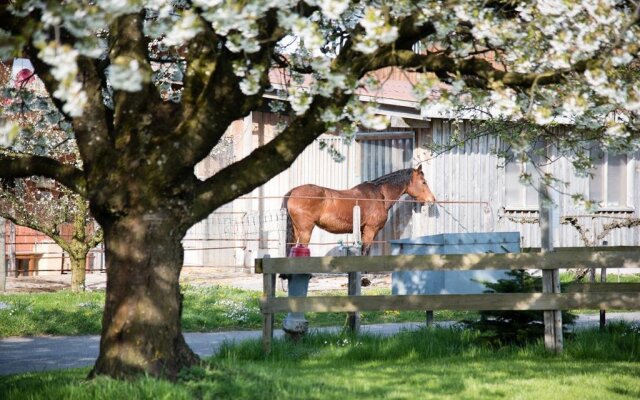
(125, 74)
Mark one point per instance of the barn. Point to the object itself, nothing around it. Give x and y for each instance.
(477, 190)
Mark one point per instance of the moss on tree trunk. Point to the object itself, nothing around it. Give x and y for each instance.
(141, 327)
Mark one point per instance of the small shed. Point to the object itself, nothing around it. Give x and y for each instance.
(451, 282)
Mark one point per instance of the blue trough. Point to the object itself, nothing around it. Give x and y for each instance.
(451, 282)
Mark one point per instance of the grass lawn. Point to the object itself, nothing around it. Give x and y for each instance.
(206, 309)
(426, 364)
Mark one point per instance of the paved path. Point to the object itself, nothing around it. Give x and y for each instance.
(41, 353)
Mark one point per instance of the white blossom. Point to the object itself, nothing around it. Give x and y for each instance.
(575, 104)
(596, 77)
(65, 70)
(377, 31)
(125, 74)
(187, 28)
(333, 8)
(250, 85)
(505, 103)
(616, 130)
(8, 132)
(542, 115)
(300, 99)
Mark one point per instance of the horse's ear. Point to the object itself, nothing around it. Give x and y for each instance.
(419, 169)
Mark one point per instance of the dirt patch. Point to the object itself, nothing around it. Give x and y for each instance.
(196, 276)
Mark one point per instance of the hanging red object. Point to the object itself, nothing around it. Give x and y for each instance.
(24, 77)
(300, 250)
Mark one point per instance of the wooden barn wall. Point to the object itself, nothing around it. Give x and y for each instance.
(469, 180)
(472, 172)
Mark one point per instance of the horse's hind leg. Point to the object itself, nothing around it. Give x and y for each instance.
(302, 234)
(368, 234)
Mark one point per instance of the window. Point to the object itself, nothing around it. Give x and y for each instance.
(608, 184)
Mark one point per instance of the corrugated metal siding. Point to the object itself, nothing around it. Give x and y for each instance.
(473, 173)
(316, 166)
(464, 174)
(210, 242)
(383, 153)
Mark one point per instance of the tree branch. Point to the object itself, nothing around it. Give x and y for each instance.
(128, 43)
(213, 98)
(22, 166)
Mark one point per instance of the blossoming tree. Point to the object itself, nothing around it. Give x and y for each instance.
(151, 86)
(41, 203)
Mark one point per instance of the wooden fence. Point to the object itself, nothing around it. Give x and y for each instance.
(608, 296)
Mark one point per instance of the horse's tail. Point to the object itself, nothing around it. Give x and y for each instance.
(289, 240)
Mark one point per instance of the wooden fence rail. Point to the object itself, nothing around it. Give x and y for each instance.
(601, 296)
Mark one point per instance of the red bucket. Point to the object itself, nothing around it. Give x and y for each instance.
(300, 250)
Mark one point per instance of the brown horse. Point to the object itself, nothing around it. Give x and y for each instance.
(332, 210)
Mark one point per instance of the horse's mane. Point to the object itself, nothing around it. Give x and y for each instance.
(396, 178)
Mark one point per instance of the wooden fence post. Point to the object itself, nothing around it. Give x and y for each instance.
(354, 287)
(603, 279)
(268, 292)
(3, 259)
(553, 340)
(13, 264)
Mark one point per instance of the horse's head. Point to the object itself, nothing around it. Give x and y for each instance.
(418, 188)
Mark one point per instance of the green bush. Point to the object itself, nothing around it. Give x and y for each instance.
(500, 328)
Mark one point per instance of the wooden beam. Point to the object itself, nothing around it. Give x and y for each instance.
(622, 287)
(460, 262)
(581, 249)
(268, 293)
(479, 302)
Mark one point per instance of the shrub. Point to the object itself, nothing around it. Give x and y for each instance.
(514, 327)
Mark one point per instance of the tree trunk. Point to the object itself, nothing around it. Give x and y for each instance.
(78, 272)
(141, 325)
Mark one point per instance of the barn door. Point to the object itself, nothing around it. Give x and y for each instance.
(380, 154)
